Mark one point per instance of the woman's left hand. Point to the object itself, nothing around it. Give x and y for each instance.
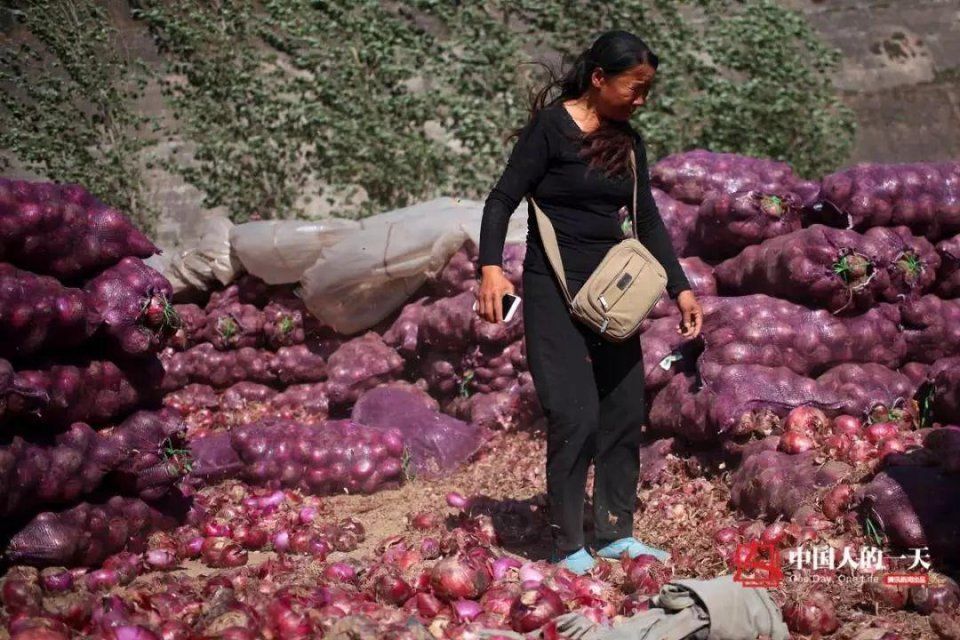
(691, 314)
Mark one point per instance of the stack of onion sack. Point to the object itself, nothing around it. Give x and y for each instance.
(81, 321)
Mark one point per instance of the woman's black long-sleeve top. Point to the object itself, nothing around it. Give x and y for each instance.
(581, 203)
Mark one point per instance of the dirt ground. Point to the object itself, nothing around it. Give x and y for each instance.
(679, 513)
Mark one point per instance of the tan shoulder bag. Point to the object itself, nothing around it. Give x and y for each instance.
(623, 288)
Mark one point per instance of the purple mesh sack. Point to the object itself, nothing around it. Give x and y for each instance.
(234, 326)
(308, 399)
(931, 328)
(283, 324)
(680, 219)
(193, 323)
(404, 334)
(37, 313)
(133, 301)
(451, 324)
(727, 223)
(666, 352)
(948, 277)
(44, 474)
(153, 454)
(738, 400)
(861, 387)
(85, 535)
(835, 269)
(437, 443)
(247, 289)
(192, 398)
(243, 393)
(458, 275)
(320, 459)
(770, 484)
(204, 364)
(63, 231)
(699, 275)
(924, 196)
(692, 175)
(214, 459)
(488, 369)
(516, 407)
(91, 391)
(441, 370)
(359, 365)
(758, 329)
(298, 364)
(945, 441)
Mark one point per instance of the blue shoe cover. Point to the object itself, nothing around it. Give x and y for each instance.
(634, 548)
(580, 562)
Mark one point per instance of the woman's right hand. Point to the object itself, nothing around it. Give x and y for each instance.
(493, 285)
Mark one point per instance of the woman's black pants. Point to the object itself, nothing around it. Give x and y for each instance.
(592, 393)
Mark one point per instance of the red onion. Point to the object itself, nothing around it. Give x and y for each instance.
(281, 541)
(392, 589)
(645, 575)
(836, 500)
(161, 559)
(726, 535)
(340, 572)
(250, 537)
(457, 501)
(286, 622)
(889, 446)
(806, 421)
(132, 633)
(424, 521)
(533, 608)
(101, 579)
(222, 553)
(887, 595)
(847, 425)
(56, 580)
(942, 594)
(430, 548)
(216, 529)
(20, 595)
(454, 579)
(774, 533)
(880, 431)
(176, 630)
(503, 565)
(192, 548)
(530, 574)
(127, 566)
(427, 605)
(466, 610)
(812, 614)
(794, 442)
(499, 598)
(308, 515)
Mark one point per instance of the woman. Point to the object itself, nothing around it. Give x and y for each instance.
(573, 157)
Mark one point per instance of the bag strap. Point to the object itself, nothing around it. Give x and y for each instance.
(549, 235)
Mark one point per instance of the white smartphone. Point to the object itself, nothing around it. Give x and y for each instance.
(510, 303)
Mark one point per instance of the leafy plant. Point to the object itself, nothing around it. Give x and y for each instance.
(371, 105)
(68, 110)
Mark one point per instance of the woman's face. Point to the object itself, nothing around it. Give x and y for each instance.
(619, 95)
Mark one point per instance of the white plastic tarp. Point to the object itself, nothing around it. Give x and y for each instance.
(205, 265)
(279, 251)
(372, 271)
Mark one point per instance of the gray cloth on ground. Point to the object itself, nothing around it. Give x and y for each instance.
(715, 609)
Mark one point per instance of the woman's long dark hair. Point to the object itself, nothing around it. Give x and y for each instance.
(608, 148)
